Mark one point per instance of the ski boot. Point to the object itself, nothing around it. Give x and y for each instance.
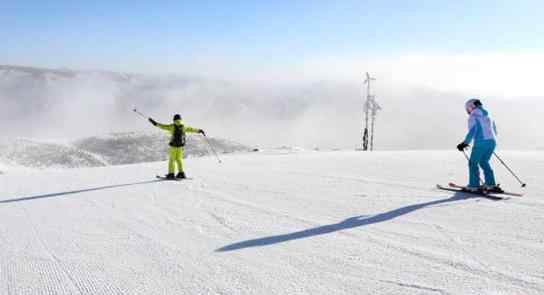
(472, 189)
(170, 176)
(181, 175)
(493, 189)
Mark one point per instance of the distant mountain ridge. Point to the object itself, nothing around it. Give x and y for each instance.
(37, 72)
(112, 149)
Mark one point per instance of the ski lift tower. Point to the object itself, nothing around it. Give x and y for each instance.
(371, 108)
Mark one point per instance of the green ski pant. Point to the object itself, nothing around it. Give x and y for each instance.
(176, 157)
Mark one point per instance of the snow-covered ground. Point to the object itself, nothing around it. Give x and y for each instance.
(272, 223)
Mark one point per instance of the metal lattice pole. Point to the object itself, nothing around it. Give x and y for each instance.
(370, 106)
(372, 133)
(365, 130)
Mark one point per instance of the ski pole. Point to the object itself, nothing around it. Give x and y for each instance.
(466, 156)
(468, 160)
(512, 172)
(211, 147)
(137, 112)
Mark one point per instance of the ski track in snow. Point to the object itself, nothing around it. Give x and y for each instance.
(301, 223)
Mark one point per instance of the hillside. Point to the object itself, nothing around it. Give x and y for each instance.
(112, 149)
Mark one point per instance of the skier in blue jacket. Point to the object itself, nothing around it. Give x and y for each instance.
(482, 131)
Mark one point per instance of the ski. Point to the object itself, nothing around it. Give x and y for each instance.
(489, 195)
(453, 185)
(458, 190)
(166, 179)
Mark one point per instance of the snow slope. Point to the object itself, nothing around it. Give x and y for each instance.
(267, 223)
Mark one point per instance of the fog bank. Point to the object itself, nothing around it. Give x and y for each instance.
(40, 103)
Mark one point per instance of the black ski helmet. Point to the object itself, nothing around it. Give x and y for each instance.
(177, 117)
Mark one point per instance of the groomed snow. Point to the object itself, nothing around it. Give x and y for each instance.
(266, 223)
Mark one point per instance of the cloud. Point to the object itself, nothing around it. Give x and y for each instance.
(313, 111)
(506, 75)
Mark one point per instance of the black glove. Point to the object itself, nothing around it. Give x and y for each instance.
(153, 122)
(202, 132)
(462, 146)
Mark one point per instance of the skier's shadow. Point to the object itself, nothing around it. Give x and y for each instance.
(349, 223)
(52, 195)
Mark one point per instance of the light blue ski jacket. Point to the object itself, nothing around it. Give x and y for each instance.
(481, 128)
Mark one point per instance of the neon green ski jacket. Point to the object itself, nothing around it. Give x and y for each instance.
(171, 128)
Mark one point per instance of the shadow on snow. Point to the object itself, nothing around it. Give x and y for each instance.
(349, 223)
(52, 195)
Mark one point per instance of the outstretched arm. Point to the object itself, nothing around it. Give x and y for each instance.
(159, 125)
(190, 129)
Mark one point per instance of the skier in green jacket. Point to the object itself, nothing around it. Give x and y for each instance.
(177, 142)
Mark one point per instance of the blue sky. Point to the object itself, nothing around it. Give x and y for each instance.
(177, 36)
